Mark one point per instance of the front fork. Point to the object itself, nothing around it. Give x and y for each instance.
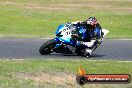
(57, 40)
(58, 43)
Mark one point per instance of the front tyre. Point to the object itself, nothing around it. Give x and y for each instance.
(47, 47)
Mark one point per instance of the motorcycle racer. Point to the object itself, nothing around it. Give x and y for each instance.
(90, 36)
(80, 38)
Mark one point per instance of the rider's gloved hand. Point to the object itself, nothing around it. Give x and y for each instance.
(74, 33)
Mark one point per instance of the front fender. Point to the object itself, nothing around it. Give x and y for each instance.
(57, 40)
(71, 41)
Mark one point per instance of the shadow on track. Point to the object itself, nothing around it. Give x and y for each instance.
(70, 56)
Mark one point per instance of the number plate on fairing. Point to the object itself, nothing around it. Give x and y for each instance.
(66, 32)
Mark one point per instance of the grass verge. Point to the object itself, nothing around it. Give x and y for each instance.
(31, 18)
(57, 73)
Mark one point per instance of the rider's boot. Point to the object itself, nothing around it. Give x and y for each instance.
(87, 51)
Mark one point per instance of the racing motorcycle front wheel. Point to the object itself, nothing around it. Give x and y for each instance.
(47, 47)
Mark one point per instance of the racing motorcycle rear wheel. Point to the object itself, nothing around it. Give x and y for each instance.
(47, 47)
(79, 50)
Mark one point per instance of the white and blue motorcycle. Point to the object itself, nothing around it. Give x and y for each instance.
(65, 43)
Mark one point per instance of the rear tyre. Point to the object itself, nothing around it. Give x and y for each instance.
(47, 47)
(79, 50)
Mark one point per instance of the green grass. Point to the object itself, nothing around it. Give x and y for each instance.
(25, 73)
(40, 18)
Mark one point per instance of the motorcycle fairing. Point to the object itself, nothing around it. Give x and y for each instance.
(63, 33)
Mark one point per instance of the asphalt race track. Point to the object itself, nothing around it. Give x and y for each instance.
(20, 48)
